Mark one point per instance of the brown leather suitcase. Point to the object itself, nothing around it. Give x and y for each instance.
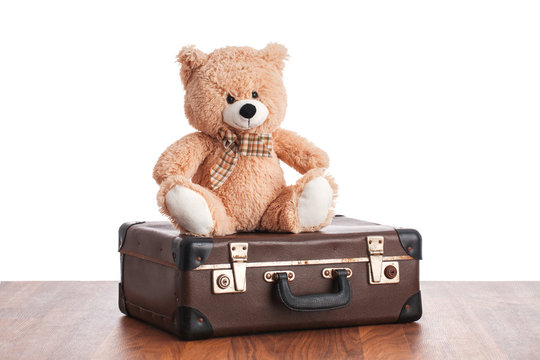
(350, 273)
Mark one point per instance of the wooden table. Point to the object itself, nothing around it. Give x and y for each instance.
(462, 320)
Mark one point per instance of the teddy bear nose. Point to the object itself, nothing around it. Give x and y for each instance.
(248, 111)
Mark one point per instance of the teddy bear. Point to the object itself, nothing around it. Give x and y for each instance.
(226, 177)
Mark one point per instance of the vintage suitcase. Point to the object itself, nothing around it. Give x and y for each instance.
(350, 273)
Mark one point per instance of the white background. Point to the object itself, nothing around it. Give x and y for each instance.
(428, 111)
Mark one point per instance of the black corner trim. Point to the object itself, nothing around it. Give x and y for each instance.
(190, 252)
(123, 231)
(411, 241)
(412, 309)
(122, 300)
(191, 324)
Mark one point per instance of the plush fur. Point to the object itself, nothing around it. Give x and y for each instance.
(255, 196)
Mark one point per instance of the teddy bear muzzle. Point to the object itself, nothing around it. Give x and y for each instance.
(245, 114)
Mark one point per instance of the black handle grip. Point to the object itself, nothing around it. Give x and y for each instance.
(315, 302)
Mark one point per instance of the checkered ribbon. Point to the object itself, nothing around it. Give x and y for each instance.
(244, 144)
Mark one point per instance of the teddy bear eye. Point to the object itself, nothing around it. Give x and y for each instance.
(254, 95)
(230, 99)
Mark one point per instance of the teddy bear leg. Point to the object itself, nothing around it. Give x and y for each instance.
(193, 209)
(303, 207)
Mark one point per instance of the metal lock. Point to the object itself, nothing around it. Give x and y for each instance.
(223, 281)
(390, 273)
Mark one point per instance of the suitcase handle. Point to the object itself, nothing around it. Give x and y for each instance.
(315, 302)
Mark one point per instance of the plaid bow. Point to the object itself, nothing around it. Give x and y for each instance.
(244, 144)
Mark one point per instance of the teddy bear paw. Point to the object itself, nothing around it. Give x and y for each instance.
(315, 202)
(190, 210)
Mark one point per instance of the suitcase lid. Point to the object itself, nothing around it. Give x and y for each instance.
(343, 241)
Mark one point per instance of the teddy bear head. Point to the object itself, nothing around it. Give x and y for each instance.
(236, 88)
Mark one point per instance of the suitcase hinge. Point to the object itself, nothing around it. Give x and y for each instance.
(234, 280)
(381, 272)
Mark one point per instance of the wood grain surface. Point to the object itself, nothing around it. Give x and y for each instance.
(462, 320)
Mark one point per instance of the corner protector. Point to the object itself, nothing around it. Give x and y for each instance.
(411, 241)
(123, 231)
(191, 324)
(412, 309)
(122, 300)
(190, 252)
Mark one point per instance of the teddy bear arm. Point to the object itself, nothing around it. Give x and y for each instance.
(299, 153)
(183, 157)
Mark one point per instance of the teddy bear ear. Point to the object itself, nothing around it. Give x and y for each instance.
(190, 58)
(276, 54)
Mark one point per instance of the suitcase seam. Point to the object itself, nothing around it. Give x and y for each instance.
(149, 311)
(148, 258)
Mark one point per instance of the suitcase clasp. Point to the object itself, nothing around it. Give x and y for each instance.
(376, 252)
(229, 281)
(381, 272)
(238, 253)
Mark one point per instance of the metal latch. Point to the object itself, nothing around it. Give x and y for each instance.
(238, 253)
(232, 280)
(376, 251)
(381, 272)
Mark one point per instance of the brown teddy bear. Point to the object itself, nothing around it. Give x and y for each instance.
(226, 177)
